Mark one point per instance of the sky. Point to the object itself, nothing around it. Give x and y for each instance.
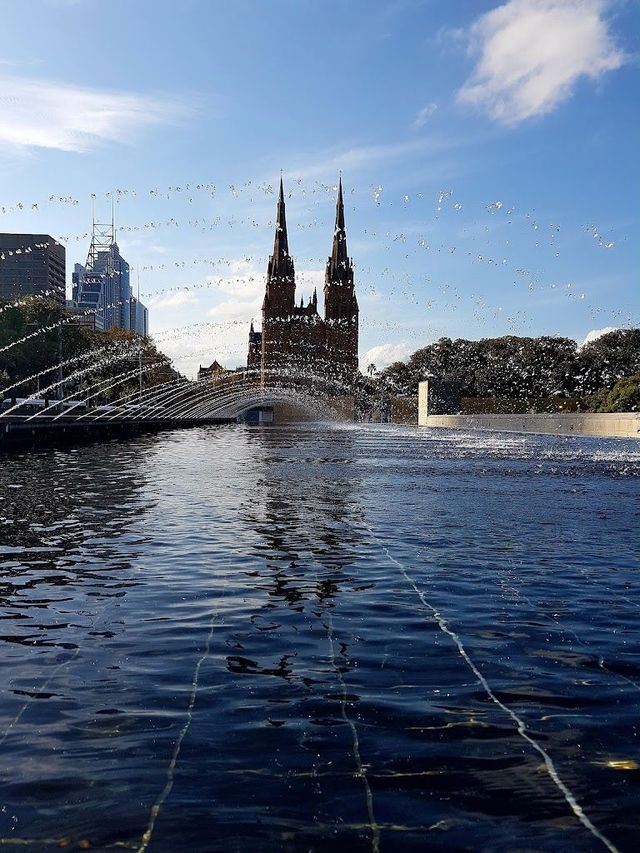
(489, 155)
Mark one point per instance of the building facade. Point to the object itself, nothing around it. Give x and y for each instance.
(32, 265)
(295, 341)
(103, 285)
(138, 317)
(213, 373)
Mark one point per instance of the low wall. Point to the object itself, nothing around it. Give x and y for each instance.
(622, 425)
(290, 413)
(19, 433)
(333, 409)
(618, 425)
(404, 410)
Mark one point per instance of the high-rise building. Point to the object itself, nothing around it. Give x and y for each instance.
(103, 285)
(32, 265)
(138, 317)
(295, 341)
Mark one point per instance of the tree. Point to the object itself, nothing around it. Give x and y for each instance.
(396, 379)
(515, 367)
(40, 335)
(610, 357)
(623, 397)
(494, 367)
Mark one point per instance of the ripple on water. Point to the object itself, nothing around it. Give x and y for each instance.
(234, 638)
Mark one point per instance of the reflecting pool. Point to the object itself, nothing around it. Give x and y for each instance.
(321, 637)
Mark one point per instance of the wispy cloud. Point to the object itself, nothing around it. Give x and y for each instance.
(173, 300)
(532, 52)
(38, 113)
(351, 160)
(245, 287)
(425, 114)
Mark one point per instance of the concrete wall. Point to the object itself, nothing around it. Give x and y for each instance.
(616, 425)
(620, 425)
(332, 409)
(404, 410)
(290, 413)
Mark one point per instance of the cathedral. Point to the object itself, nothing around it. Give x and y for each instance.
(296, 343)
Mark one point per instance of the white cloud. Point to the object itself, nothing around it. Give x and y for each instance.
(532, 52)
(383, 355)
(236, 309)
(244, 279)
(44, 114)
(173, 300)
(351, 160)
(247, 286)
(594, 334)
(425, 114)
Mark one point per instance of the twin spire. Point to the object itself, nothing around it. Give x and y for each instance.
(279, 299)
(339, 255)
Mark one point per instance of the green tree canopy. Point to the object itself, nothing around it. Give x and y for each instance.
(52, 335)
(520, 367)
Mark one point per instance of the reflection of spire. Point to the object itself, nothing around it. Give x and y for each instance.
(327, 510)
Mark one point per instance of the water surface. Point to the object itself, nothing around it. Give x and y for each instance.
(319, 638)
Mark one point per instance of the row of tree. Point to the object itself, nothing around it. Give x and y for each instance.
(524, 368)
(37, 337)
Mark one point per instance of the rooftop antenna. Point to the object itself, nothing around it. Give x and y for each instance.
(102, 239)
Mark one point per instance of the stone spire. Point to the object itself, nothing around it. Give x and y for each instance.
(281, 242)
(279, 296)
(340, 303)
(339, 256)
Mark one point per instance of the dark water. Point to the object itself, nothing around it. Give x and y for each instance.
(321, 638)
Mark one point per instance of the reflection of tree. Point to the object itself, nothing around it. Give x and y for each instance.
(58, 511)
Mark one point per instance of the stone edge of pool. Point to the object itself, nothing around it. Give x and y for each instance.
(616, 425)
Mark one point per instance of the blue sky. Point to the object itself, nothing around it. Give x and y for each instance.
(488, 151)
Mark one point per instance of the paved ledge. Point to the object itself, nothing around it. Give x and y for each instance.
(620, 425)
(20, 433)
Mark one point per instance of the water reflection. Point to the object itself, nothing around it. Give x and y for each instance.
(218, 648)
(62, 515)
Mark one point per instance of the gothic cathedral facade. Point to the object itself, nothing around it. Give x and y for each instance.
(296, 343)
